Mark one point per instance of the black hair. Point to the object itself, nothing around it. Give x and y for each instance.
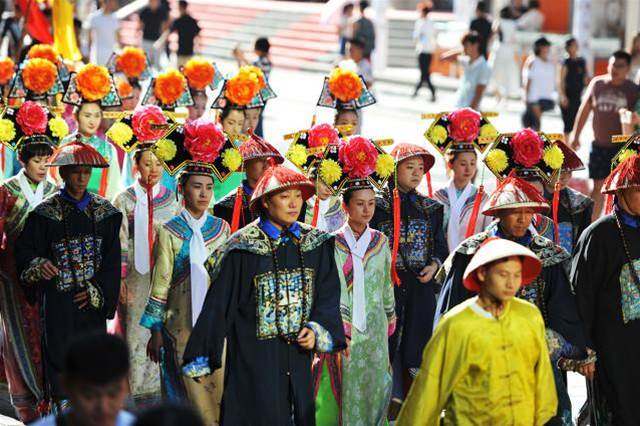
(534, 4)
(262, 45)
(358, 42)
(348, 194)
(505, 13)
(539, 44)
(621, 54)
(340, 110)
(451, 155)
(30, 150)
(97, 357)
(183, 4)
(227, 110)
(347, 7)
(169, 414)
(364, 4)
(472, 37)
(76, 110)
(569, 42)
(481, 7)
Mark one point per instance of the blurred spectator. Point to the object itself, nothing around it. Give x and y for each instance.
(356, 54)
(12, 29)
(363, 29)
(169, 414)
(103, 29)
(516, 8)
(476, 72)
(154, 21)
(188, 30)
(424, 35)
(532, 19)
(345, 29)
(539, 77)
(504, 60)
(573, 78)
(606, 96)
(95, 373)
(482, 25)
(635, 58)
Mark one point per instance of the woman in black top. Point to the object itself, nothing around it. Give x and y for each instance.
(573, 79)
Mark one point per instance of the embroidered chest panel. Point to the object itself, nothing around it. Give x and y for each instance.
(630, 293)
(283, 307)
(78, 259)
(416, 242)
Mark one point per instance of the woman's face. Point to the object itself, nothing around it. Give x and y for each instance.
(89, 118)
(198, 108)
(150, 168)
(251, 118)
(464, 167)
(410, 173)
(232, 123)
(361, 206)
(284, 207)
(36, 168)
(347, 118)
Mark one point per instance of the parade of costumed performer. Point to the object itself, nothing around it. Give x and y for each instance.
(257, 156)
(413, 224)
(247, 89)
(130, 66)
(458, 136)
(146, 205)
(90, 90)
(283, 273)
(323, 210)
(69, 254)
(200, 74)
(354, 387)
(33, 132)
(507, 381)
(199, 153)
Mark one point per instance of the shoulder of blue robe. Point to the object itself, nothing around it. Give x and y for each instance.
(178, 227)
(213, 228)
(228, 200)
(102, 208)
(253, 240)
(549, 252)
(51, 208)
(427, 205)
(466, 247)
(441, 196)
(574, 201)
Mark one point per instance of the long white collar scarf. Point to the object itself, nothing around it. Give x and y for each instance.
(197, 257)
(33, 198)
(455, 211)
(141, 228)
(358, 251)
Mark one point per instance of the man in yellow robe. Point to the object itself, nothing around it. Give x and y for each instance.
(487, 362)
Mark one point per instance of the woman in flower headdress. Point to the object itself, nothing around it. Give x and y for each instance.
(90, 90)
(198, 151)
(7, 157)
(347, 93)
(34, 133)
(456, 136)
(145, 205)
(246, 90)
(355, 387)
(200, 74)
(323, 210)
(133, 65)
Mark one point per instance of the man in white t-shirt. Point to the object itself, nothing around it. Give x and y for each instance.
(104, 30)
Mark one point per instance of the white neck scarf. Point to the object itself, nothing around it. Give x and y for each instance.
(141, 227)
(322, 211)
(358, 250)
(197, 257)
(33, 198)
(455, 210)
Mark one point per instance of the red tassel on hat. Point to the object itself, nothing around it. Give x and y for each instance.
(237, 211)
(396, 236)
(316, 212)
(471, 227)
(554, 208)
(608, 206)
(429, 187)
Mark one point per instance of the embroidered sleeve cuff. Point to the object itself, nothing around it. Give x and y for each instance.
(347, 328)
(33, 274)
(197, 368)
(154, 314)
(96, 299)
(391, 328)
(324, 342)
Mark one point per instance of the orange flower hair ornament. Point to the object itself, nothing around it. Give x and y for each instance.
(93, 82)
(131, 61)
(169, 87)
(242, 88)
(39, 75)
(199, 73)
(7, 70)
(344, 84)
(44, 51)
(125, 89)
(252, 69)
